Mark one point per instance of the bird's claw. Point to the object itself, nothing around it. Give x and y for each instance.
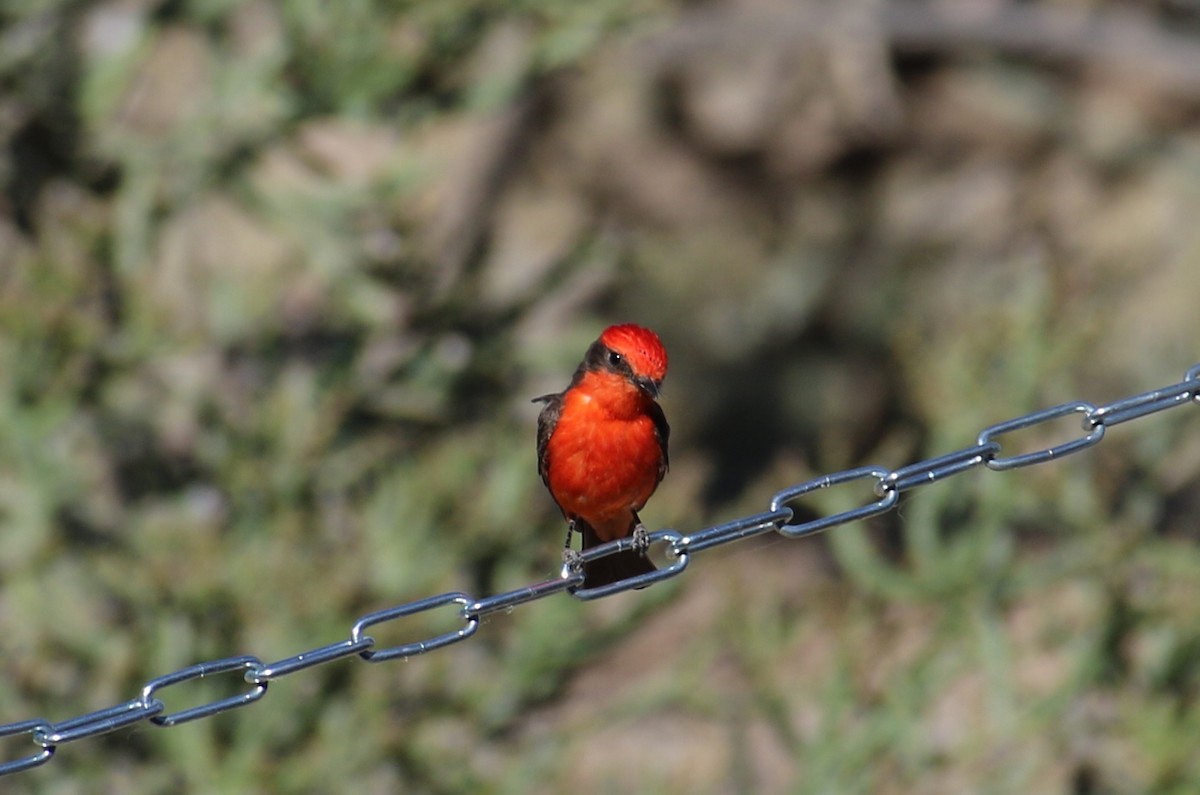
(641, 539)
(572, 560)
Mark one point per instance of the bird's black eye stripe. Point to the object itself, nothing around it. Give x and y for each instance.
(601, 357)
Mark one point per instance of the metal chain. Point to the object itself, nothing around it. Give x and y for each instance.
(888, 484)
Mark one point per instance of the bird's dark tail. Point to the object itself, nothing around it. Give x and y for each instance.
(614, 567)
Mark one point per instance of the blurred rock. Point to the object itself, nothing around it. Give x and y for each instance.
(794, 84)
(256, 30)
(170, 86)
(535, 228)
(460, 164)
(352, 154)
(222, 272)
(113, 29)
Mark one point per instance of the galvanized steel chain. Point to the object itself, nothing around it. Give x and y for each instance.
(887, 485)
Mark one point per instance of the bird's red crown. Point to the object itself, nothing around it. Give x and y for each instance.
(640, 346)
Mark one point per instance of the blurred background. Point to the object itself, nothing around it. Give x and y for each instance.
(277, 281)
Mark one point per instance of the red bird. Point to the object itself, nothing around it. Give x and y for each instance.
(602, 446)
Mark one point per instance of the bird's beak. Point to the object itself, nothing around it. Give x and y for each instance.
(648, 385)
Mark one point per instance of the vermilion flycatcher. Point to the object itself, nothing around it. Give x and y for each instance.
(602, 446)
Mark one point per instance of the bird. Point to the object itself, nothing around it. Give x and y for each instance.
(602, 448)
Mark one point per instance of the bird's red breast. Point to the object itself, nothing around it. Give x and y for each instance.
(605, 456)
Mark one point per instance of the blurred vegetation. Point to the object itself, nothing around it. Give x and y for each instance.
(277, 281)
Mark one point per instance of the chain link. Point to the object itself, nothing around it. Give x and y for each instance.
(887, 486)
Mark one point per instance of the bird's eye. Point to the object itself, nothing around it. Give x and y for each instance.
(614, 358)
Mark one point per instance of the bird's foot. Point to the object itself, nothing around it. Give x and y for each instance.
(572, 560)
(641, 539)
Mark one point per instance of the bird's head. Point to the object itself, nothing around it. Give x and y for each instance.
(634, 352)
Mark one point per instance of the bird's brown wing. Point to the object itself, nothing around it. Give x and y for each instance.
(547, 422)
(663, 432)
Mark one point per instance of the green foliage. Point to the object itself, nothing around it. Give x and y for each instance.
(277, 281)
